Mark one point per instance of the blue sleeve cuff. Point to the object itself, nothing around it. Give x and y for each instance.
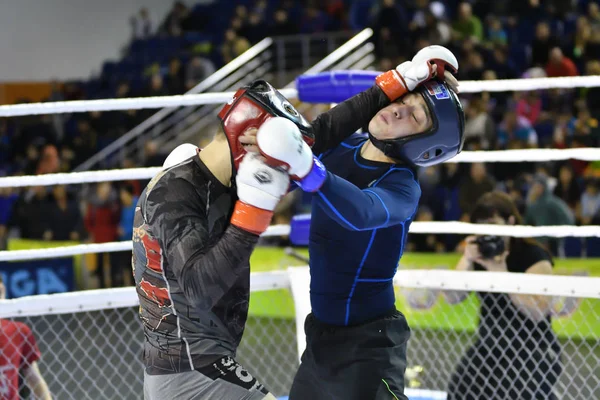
(315, 178)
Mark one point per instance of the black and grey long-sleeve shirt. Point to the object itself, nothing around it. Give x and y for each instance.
(191, 269)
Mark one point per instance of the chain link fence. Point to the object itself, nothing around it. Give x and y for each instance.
(97, 354)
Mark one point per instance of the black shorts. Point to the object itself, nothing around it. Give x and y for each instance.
(362, 362)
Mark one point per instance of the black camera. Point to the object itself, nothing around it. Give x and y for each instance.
(490, 246)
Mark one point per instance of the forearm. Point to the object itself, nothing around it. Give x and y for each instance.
(36, 383)
(335, 125)
(225, 260)
(534, 307)
(458, 296)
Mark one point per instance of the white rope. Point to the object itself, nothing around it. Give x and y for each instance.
(522, 231)
(284, 230)
(79, 177)
(500, 282)
(66, 251)
(138, 103)
(134, 103)
(509, 85)
(103, 299)
(528, 155)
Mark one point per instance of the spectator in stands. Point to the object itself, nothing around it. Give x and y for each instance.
(501, 64)
(593, 13)
(101, 222)
(560, 65)
(386, 47)
(467, 25)
(174, 21)
(393, 17)
(135, 184)
(141, 24)
(152, 155)
(29, 213)
(313, 20)
(516, 129)
(434, 30)
(254, 29)
(156, 87)
(516, 355)
(175, 77)
(472, 187)
(122, 267)
(8, 197)
(474, 66)
(361, 14)
(592, 47)
(19, 355)
(496, 35)
(590, 201)
(83, 141)
(581, 36)
(543, 42)
(64, 217)
(282, 26)
(529, 106)
(233, 46)
(336, 13)
(480, 130)
(592, 95)
(198, 69)
(585, 128)
(544, 208)
(567, 187)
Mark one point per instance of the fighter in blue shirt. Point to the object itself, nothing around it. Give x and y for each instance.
(365, 197)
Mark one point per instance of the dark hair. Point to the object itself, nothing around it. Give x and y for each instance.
(128, 187)
(495, 203)
(500, 204)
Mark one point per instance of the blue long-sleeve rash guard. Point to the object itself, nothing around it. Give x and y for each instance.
(360, 218)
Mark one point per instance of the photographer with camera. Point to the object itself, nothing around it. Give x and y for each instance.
(516, 355)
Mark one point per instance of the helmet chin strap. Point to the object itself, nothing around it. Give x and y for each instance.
(387, 148)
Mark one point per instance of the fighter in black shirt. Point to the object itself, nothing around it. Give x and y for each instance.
(194, 230)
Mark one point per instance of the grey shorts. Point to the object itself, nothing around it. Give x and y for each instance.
(225, 379)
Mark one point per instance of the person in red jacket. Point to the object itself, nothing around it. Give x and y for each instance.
(101, 222)
(19, 355)
(560, 65)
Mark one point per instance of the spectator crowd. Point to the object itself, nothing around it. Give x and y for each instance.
(492, 40)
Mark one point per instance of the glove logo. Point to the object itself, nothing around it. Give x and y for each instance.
(290, 109)
(263, 176)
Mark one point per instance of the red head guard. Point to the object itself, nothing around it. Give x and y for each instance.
(250, 107)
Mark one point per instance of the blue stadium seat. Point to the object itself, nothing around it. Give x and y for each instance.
(452, 211)
(573, 246)
(593, 247)
(519, 56)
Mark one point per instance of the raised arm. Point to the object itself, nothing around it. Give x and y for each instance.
(334, 126)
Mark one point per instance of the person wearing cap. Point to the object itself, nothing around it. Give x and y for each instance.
(365, 194)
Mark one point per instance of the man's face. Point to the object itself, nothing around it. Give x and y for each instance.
(405, 117)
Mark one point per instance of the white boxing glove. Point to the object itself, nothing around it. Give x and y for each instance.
(259, 189)
(180, 154)
(407, 76)
(279, 140)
